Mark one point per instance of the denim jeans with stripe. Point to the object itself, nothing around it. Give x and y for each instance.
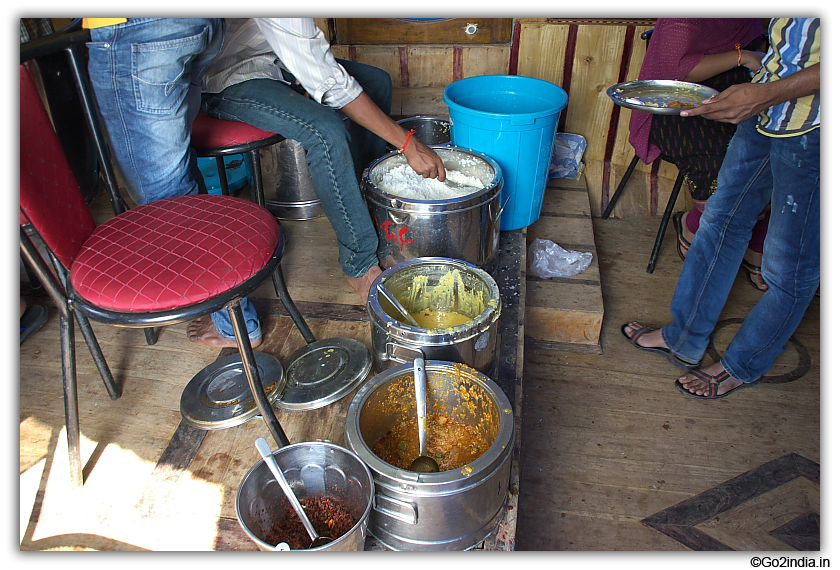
(757, 170)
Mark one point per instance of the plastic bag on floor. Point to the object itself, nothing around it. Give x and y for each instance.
(547, 259)
(567, 156)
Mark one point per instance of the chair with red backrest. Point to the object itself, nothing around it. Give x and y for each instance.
(162, 263)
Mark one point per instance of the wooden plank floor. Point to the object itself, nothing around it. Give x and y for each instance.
(565, 312)
(152, 481)
(612, 456)
(615, 458)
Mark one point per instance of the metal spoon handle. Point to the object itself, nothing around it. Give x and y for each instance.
(397, 305)
(268, 457)
(420, 395)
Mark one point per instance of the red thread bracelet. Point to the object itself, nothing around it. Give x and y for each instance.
(738, 49)
(411, 132)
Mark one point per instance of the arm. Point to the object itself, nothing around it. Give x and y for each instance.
(305, 52)
(714, 64)
(740, 102)
(422, 159)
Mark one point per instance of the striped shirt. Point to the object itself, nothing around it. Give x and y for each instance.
(794, 46)
(260, 48)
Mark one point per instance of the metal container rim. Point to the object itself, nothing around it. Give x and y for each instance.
(483, 322)
(378, 196)
(363, 520)
(495, 455)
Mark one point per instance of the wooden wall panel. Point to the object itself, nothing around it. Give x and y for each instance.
(414, 102)
(623, 151)
(383, 57)
(484, 60)
(650, 185)
(429, 66)
(596, 66)
(324, 24)
(340, 51)
(542, 51)
(402, 31)
(583, 56)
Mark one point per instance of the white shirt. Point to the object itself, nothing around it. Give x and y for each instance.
(259, 48)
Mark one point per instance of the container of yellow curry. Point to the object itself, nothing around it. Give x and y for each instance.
(470, 434)
(455, 303)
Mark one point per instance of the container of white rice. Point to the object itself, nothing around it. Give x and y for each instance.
(422, 217)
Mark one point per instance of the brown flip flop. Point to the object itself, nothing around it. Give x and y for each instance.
(672, 358)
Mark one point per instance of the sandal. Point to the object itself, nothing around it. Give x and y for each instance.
(682, 243)
(712, 382)
(672, 358)
(751, 271)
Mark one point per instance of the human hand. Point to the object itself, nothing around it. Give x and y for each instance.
(734, 105)
(752, 59)
(423, 160)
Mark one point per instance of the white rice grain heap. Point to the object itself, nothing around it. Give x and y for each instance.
(402, 181)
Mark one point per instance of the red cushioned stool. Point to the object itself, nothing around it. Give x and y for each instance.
(219, 138)
(163, 263)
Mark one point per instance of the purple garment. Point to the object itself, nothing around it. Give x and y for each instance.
(676, 47)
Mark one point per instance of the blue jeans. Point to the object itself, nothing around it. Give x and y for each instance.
(336, 154)
(146, 77)
(757, 170)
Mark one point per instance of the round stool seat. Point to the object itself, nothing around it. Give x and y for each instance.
(209, 133)
(174, 252)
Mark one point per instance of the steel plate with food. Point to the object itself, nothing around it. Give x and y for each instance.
(660, 97)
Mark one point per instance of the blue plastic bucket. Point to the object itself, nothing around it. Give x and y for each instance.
(512, 119)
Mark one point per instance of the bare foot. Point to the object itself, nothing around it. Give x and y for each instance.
(712, 379)
(651, 339)
(362, 284)
(387, 263)
(203, 331)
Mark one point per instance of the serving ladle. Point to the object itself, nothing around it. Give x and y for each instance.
(397, 305)
(423, 463)
(268, 457)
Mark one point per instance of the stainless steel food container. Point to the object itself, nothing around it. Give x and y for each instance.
(464, 228)
(428, 130)
(445, 284)
(311, 468)
(450, 510)
(289, 192)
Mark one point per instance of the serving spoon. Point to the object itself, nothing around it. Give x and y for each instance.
(397, 305)
(268, 457)
(423, 463)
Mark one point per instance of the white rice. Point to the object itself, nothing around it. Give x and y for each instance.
(402, 181)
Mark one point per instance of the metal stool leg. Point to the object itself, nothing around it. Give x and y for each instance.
(71, 398)
(257, 171)
(151, 336)
(663, 225)
(220, 166)
(249, 363)
(283, 293)
(114, 389)
(620, 188)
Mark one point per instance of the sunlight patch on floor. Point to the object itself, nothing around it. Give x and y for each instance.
(103, 512)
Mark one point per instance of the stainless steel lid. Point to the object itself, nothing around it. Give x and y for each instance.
(219, 396)
(322, 372)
